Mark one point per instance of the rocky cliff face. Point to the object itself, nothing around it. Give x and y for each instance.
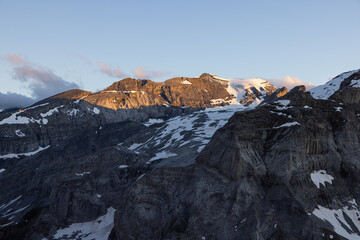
(76, 167)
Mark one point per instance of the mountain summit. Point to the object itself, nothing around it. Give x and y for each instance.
(204, 91)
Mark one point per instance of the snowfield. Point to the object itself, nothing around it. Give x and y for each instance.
(98, 229)
(326, 90)
(344, 221)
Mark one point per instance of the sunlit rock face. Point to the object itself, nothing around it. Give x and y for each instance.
(204, 91)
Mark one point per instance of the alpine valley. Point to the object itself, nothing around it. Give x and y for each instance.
(189, 158)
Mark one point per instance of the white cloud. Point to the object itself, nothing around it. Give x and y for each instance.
(290, 82)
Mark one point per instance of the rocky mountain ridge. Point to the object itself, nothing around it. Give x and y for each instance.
(287, 169)
(204, 91)
(54, 119)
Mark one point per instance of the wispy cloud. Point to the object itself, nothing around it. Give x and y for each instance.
(110, 71)
(290, 82)
(41, 81)
(143, 73)
(139, 72)
(14, 59)
(83, 59)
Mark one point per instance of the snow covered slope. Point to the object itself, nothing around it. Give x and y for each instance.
(326, 90)
(249, 91)
(178, 140)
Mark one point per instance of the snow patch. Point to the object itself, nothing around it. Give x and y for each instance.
(341, 220)
(219, 101)
(17, 155)
(73, 112)
(338, 109)
(2, 170)
(134, 146)
(320, 177)
(15, 119)
(152, 121)
(123, 166)
(98, 229)
(132, 91)
(287, 125)
(355, 83)
(283, 104)
(109, 91)
(19, 133)
(186, 82)
(200, 148)
(140, 177)
(51, 112)
(82, 174)
(40, 105)
(281, 114)
(161, 155)
(96, 110)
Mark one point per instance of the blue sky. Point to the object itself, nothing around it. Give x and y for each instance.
(91, 44)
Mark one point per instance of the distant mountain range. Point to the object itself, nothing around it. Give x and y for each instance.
(189, 158)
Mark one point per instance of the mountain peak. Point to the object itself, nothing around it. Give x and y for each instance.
(346, 79)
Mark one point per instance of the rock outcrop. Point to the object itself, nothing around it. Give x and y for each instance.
(274, 96)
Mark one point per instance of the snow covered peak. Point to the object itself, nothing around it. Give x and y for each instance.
(249, 91)
(326, 90)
